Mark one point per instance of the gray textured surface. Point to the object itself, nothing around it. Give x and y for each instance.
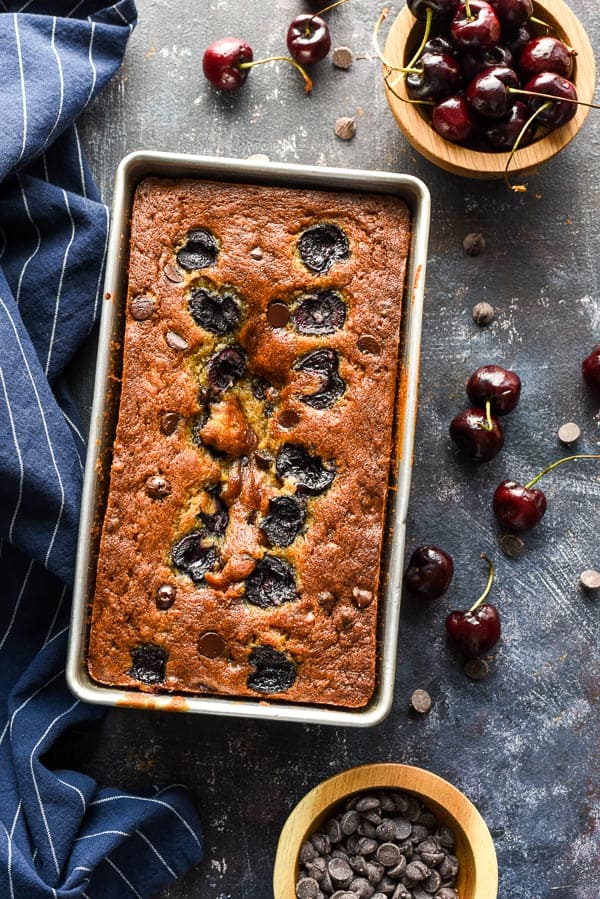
(521, 743)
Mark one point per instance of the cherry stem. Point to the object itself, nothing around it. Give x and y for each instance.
(257, 62)
(489, 424)
(405, 99)
(428, 20)
(327, 8)
(384, 14)
(516, 90)
(520, 188)
(488, 586)
(560, 462)
(470, 15)
(541, 22)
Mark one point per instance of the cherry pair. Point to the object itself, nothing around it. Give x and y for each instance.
(472, 632)
(228, 60)
(478, 433)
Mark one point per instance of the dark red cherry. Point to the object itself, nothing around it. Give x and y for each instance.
(500, 386)
(440, 44)
(223, 62)
(545, 54)
(517, 507)
(452, 118)
(429, 573)
(513, 13)
(308, 38)
(558, 113)
(476, 26)
(474, 63)
(521, 507)
(516, 40)
(489, 95)
(590, 368)
(439, 77)
(472, 433)
(501, 134)
(438, 8)
(227, 61)
(476, 631)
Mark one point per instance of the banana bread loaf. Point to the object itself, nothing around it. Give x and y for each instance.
(241, 544)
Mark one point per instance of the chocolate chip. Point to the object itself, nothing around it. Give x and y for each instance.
(590, 579)
(474, 244)
(327, 601)
(368, 344)
(342, 57)
(278, 314)
(403, 828)
(307, 888)
(288, 419)
(483, 314)
(141, 307)
(171, 273)
(340, 872)
(345, 127)
(257, 253)
(421, 701)
(263, 459)
(168, 422)
(416, 871)
(165, 596)
(211, 645)
(362, 598)
(389, 855)
(158, 487)
(334, 830)
(511, 545)
(176, 341)
(569, 433)
(476, 669)
(350, 821)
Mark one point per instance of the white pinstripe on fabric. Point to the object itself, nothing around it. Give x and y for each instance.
(119, 13)
(25, 5)
(17, 605)
(9, 724)
(157, 853)
(9, 861)
(122, 876)
(23, 92)
(57, 635)
(80, 157)
(38, 240)
(35, 783)
(102, 833)
(75, 789)
(62, 84)
(45, 161)
(19, 458)
(3, 248)
(82, 868)
(148, 799)
(60, 283)
(55, 616)
(15, 819)
(92, 64)
(45, 426)
(101, 269)
(75, 8)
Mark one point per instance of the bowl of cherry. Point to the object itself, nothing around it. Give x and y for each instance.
(414, 818)
(488, 88)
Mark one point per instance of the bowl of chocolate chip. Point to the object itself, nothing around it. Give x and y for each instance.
(488, 88)
(385, 831)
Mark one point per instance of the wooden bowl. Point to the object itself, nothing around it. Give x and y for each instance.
(478, 874)
(403, 38)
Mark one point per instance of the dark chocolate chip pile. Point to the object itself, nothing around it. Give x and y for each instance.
(379, 845)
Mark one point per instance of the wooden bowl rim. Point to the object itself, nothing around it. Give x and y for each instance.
(478, 164)
(444, 798)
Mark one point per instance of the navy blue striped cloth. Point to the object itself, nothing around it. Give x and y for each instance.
(61, 835)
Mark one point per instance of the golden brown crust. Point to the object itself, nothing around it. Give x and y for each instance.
(216, 450)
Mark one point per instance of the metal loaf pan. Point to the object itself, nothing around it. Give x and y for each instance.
(130, 172)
